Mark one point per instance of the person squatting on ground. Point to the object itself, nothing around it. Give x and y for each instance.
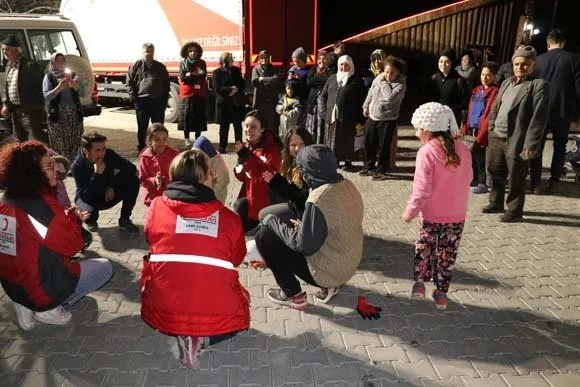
(36, 270)
(516, 128)
(323, 247)
(193, 92)
(476, 124)
(103, 179)
(382, 106)
(289, 184)
(62, 91)
(148, 86)
(190, 286)
(440, 195)
(154, 162)
(218, 165)
(22, 99)
(259, 154)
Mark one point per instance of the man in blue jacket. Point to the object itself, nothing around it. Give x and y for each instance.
(561, 69)
(103, 178)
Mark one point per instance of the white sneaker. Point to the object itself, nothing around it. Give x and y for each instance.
(56, 316)
(188, 143)
(24, 316)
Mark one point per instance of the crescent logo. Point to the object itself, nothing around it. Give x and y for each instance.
(4, 224)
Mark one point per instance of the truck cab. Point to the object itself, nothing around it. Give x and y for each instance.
(42, 35)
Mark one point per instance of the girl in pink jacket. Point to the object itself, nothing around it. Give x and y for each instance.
(154, 162)
(440, 193)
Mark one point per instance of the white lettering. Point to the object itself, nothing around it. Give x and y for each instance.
(8, 235)
(207, 226)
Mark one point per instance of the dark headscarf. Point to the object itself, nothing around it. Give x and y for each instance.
(318, 166)
(187, 61)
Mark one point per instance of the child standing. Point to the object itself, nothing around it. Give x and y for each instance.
(289, 109)
(154, 162)
(440, 194)
(475, 124)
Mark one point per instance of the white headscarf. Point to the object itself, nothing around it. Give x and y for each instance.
(341, 76)
(434, 117)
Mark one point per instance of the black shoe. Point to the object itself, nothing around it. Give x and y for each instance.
(508, 218)
(92, 225)
(380, 176)
(491, 209)
(547, 189)
(222, 150)
(125, 224)
(366, 171)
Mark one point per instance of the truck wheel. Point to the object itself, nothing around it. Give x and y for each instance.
(173, 104)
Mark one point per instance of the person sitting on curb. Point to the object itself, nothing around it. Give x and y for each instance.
(103, 179)
(218, 165)
(324, 248)
(39, 237)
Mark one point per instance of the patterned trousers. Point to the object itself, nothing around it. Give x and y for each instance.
(436, 251)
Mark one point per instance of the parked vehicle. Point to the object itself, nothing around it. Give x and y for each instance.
(114, 32)
(43, 35)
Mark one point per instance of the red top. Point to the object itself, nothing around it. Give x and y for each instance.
(150, 164)
(194, 85)
(187, 298)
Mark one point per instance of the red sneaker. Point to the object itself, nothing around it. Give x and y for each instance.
(418, 290)
(298, 302)
(440, 299)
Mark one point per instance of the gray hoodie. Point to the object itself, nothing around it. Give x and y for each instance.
(384, 98)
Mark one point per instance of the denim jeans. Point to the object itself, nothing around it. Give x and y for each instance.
(94, 274)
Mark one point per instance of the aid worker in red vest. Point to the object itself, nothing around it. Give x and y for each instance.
(38, 237)
(190, 285)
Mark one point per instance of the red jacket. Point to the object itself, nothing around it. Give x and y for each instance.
(196, 83)
(489, 95)
(37, 239)
(150, 164)
(192, 298)
(264, 156)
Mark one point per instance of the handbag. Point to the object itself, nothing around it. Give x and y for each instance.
(469, 139)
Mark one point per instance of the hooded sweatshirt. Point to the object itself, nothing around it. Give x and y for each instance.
(330, 234)
(384, 98)
(440, 193)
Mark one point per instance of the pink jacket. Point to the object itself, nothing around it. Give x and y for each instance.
(440, 193)
(150, 164)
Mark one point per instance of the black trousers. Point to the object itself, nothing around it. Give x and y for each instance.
(26, 123)
(125, 192)
(285, 263)
(225, 131)
(478, 164)
(502, 169)
(148, 109)
(559, 129)
(379, 134)
(241, 208)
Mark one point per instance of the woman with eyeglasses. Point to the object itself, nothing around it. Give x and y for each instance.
(38, 237)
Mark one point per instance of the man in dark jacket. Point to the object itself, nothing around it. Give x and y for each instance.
(148, 87)
(561, 69)
(103, 178)
(506, 70)
(23, 101)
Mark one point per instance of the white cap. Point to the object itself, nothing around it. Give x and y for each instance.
(434, 117)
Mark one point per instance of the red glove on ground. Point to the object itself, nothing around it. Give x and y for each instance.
(366, 310)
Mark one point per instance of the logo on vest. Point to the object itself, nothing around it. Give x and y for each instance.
(207, 226)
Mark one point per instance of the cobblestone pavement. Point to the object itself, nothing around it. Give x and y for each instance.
(512, 319)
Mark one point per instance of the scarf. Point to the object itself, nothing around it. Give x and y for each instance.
(374, 69)
(342, 76)
(187, 63)
(59, 74)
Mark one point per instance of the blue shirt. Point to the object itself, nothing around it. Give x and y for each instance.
(477, 109)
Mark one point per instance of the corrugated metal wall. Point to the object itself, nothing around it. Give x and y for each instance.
(481, 22)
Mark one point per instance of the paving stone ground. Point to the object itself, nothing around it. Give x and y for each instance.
(513, 319)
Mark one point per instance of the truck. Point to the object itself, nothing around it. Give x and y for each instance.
(114, 32)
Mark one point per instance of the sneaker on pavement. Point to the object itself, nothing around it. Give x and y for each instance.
(298, 302)
(479, 189)
(380, 176)
(189, 350)
(418, 290)
(491, 209)
(366, 171)
(126, 224)
(324, 295)
(187, 143)
(440, 299)
(24, 316)
(56, 316)
(92, 225)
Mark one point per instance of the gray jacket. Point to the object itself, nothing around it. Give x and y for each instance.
(527, 118)
(384, 98)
